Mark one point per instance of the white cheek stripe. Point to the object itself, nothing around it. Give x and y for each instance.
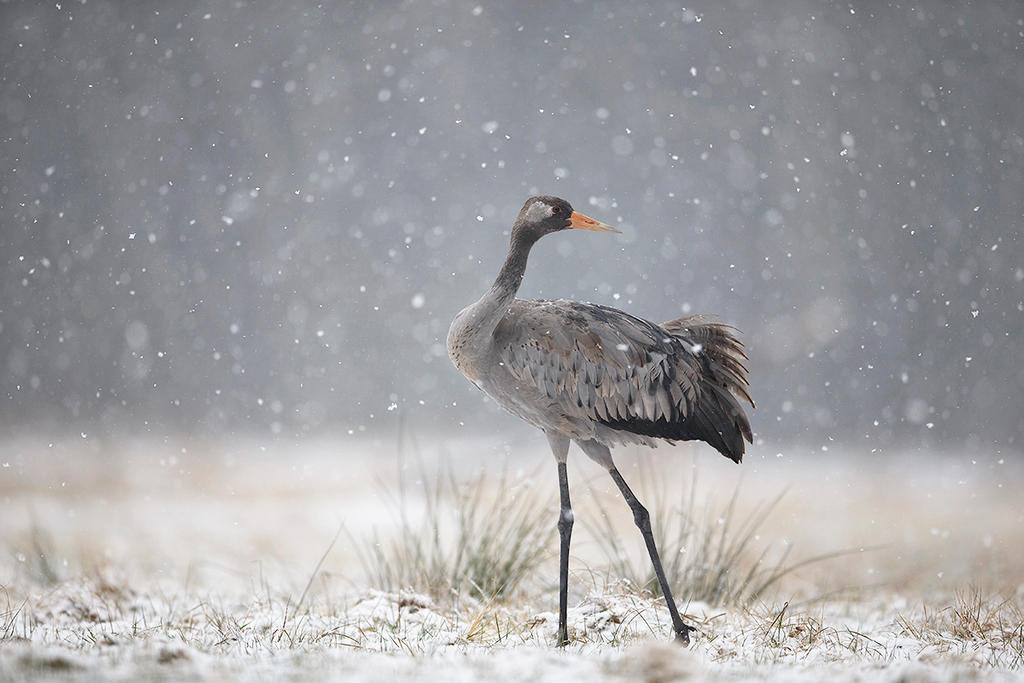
(538, 211)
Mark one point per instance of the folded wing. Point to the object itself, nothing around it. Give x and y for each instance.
(678, 381)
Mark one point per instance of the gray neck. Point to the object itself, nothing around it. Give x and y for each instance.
(511, 274)
(493, 305)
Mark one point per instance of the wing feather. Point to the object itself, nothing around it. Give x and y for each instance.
(679, 380)
(583, 355)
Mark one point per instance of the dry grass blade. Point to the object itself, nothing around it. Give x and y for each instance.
(316, 571)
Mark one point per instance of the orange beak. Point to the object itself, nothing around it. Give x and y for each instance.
(578, 220)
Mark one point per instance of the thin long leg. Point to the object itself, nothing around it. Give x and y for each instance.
(560, 449)
(643, 521)
(565, 520)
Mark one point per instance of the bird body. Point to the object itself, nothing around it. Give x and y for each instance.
(598, 376)
(591, 372)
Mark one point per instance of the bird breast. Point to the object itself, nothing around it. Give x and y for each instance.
(467, 346)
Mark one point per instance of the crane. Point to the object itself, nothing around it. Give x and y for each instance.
(599, 377)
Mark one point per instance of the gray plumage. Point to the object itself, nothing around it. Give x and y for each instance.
(587, 371)
(599, 377)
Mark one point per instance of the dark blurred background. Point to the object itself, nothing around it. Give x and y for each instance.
(260, 217)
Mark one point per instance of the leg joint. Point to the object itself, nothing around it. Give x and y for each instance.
(642, 517)
(565, 521)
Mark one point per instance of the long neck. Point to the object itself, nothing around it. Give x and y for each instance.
(511, 274)
(488, 311)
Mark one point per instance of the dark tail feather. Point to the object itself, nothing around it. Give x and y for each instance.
(722, 347)
(728, 419)
(721, 420)
(717, 420)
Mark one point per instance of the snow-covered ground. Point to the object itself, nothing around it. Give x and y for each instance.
(177, 559)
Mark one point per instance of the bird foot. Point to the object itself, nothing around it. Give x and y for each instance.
(683, 635)
(562, 637)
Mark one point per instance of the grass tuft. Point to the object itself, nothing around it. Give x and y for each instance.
(478, 538)
(974, 622)
(710, 555)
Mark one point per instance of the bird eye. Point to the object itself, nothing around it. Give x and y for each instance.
(555, 209)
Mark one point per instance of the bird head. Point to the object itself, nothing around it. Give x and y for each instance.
(542, 215)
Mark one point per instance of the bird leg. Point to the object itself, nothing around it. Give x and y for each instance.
(560, 449)
(643, 521)
(565, 520)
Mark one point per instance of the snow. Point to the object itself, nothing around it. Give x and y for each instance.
(197, 562)
(245, 231)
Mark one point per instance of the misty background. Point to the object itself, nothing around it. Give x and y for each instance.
(261, 217)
